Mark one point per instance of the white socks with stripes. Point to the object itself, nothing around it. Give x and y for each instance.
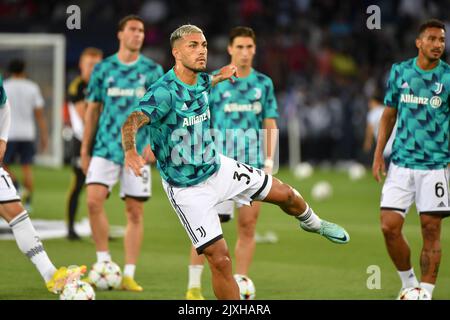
(310, 219)
(29, 243)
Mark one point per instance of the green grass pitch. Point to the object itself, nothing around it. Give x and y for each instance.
(300, 266)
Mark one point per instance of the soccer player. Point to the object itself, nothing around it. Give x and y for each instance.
(376, 109)
(13, 212)
(195, 176)
(77, 109)
(27, 110)
(417, 98)
(239, 110)
(116, 85)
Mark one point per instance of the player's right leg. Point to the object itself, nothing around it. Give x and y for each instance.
(397, 196)
(101, 176)
(224, 285)
(26, 237)
(195, 208)
(196, 263)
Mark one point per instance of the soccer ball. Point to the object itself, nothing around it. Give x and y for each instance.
(415, 294)
(246, 287)
(105, 275)
(303, 170)
(77, 290)
(321, 190)
(356, 171)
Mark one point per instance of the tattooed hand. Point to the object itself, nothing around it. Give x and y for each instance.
(133, 160)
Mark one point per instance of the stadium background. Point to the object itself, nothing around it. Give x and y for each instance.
(325, 64)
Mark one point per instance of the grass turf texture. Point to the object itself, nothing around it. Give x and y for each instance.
(300, 266)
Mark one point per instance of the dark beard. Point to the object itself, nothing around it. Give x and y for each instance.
(194, 70)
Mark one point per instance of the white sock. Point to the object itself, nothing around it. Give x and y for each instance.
(408, 278)
(195, 276)
(427, 286)
(103, 256)
(128, 270)
(29, 243)
(310, 218)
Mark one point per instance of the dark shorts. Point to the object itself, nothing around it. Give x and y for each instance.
(75, 153)
(19, 150)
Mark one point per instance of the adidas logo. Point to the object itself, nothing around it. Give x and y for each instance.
(184, 107)
(441, 205)
(405, 85)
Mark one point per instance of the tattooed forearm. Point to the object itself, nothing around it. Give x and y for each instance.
(134, 121)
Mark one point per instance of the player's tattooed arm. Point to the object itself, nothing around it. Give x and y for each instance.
(133, 160)
(225, 73)
(134, 121)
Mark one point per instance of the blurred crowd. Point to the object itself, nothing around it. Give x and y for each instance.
(324, 61)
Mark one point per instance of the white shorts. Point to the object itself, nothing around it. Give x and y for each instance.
(104, 172)
(427, 188)
(8, 192)
(196, 206)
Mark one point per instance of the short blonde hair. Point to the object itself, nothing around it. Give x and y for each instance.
(182, 31)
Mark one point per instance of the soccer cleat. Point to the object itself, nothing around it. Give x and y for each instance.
(329, 230)
(129, 284)
(62, 276)
(194, 294)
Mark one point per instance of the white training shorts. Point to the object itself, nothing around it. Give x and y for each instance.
(8, 192)
(196, 206)
(427, 188)
(104, 172)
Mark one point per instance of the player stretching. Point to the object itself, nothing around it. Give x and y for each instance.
(116, 85)
(13, 212)
(239, 110)
(418, 98)
(195, 177)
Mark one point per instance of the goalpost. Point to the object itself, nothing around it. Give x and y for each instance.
(44, 55)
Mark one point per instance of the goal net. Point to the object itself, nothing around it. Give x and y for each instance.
(44, 55)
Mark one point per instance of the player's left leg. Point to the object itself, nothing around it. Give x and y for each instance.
(430, 257)
(245, 244)
(29, 243)
(134, 233)
(135, 191)
(291, 202)
(432, 194)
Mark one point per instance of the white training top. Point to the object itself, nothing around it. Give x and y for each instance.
(24, 96)
(374, 118)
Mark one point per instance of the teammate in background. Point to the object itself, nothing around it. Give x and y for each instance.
(195, 176)
(116, 85)
(13, 212)
(27, 108)
(418, 99)
(77, 109)
(239, 110)
(376, 109)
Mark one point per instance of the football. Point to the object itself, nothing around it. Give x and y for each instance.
(246, 287)
(77, 290)
(415, 294)
(105, 275)
(321, 190)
